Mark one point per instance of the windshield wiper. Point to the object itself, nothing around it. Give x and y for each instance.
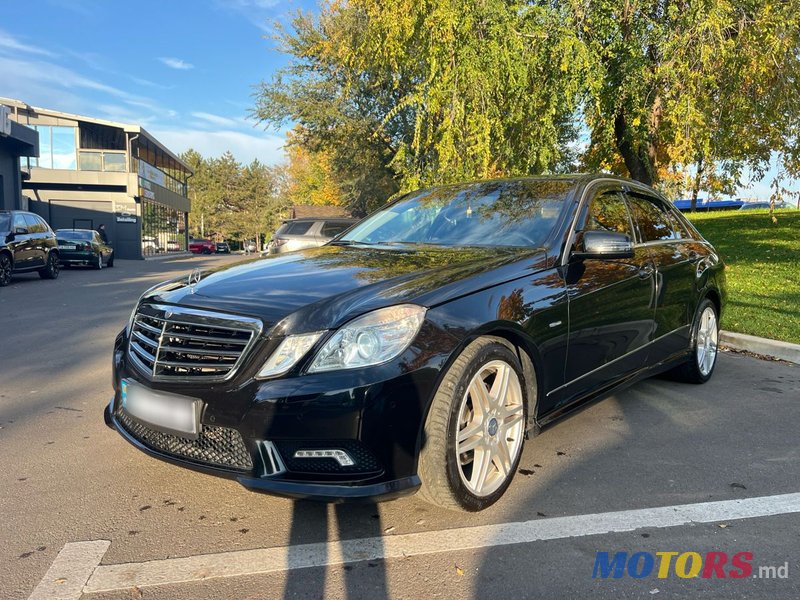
(348, 243)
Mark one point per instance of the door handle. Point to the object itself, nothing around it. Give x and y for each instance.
(645, 271)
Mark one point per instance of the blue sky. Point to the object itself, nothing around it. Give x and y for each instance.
(183, 69)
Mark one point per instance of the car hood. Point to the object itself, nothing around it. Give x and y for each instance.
(321, 288)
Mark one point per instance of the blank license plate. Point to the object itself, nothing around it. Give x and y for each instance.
(66, 247)
(172, 412)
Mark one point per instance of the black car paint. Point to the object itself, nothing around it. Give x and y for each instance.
(586, 327)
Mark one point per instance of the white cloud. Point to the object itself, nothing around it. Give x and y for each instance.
(215, 119)
(246, 147)
(176, 63)
(10, 43)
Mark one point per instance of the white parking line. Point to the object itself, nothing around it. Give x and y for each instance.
(70, 570)
(251, 562)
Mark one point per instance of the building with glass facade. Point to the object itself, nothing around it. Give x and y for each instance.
(16, 141)
(90, 172)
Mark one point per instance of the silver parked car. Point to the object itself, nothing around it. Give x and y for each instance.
(297, 234)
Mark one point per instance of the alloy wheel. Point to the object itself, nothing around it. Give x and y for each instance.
(5, 270)
(490, 428)
(707, 340)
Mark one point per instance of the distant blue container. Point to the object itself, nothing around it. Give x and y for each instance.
(705, 205)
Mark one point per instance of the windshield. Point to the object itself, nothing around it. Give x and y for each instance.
(74, 234)
(5, 222)
(492, 213)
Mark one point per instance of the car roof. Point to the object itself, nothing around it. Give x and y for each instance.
(315, 219)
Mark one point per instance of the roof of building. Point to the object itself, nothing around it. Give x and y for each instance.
(127, 127)
(303, 211)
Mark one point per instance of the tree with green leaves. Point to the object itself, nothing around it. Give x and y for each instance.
(407, 93)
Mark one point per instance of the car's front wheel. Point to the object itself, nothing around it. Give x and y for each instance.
(51, 268)
(475, 429)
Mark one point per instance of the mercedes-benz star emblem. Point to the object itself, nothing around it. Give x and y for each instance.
(193, 279)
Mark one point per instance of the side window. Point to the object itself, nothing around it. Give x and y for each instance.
(33, 224)
(652, 219)
(45, 228)
(298, 228)
(332, 228)
(20, 223)
(607, 212)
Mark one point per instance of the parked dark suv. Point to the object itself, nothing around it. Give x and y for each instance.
(26, 244)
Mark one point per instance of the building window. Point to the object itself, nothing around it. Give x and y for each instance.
(91, 161)
(114, 162)
(56, 148)
(163, 228)
(102, 161)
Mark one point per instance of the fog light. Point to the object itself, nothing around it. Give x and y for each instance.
(340, 456)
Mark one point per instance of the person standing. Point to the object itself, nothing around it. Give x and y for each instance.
(102, 231)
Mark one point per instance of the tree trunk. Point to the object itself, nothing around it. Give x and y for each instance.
(697, 178)
(637, 157)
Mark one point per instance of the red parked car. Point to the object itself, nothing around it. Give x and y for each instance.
(202, 246)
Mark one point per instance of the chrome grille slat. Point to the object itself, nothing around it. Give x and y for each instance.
(174, 343)
(143, 338)
(201, 351)
(147, 327)
(207, 338)
(142, 352)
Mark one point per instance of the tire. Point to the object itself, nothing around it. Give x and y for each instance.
(447, 471)
(699, 367)
(206, 251)
(110, 263)
(6, 266)
(99, 264)
(52, 268)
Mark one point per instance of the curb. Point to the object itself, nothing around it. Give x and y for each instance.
(758, 345)
(168, 256)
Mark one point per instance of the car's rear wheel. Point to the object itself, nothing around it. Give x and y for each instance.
(475, 429)
(5, 269)
(206, 251)
(704, 346)
(51, 268)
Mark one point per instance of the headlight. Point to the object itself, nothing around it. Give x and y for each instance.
(292, 349)
(371, 339)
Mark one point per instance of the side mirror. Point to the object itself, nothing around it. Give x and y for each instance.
(604, 245)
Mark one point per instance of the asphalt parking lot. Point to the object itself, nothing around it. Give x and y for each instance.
(659, 467)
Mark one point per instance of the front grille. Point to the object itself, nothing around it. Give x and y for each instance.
(215, 446)
(170, 343)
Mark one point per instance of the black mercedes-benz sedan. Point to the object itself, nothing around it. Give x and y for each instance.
(419, 349)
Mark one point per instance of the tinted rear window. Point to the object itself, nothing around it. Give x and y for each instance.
(5, 222)
(75, 235)
(297, 228)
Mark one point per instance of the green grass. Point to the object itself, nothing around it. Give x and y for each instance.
(763, 273)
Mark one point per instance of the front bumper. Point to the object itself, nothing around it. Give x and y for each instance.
(301, 490)
(373, 414)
